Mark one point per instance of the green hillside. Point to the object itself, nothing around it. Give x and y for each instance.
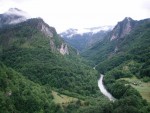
(28, 51)
(30, 56)
(133, 47)
(120, 60)
(18, 94)
(35, 77)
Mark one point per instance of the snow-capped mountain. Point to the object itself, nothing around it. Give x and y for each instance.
(71, 32)
(16, 11)
(13, 16)
(82, 39)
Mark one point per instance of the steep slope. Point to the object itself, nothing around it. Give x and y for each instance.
(123, 55)
(35, 53)
(123, 28)
(128, 45)
(18, 94)
(82, 39)
(25, 31)
(35, 50)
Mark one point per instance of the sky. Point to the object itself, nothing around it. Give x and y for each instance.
(65, 14)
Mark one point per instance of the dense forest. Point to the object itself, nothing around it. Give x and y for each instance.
(35, 76)
(26, 53)
(129, 60)
(134, 47)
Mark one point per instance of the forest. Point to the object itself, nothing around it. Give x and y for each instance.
(34, 74)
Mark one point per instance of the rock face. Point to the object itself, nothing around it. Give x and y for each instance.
(51, 33)
(122, 28)
(16, 16)
(64, 49)
(45, 28)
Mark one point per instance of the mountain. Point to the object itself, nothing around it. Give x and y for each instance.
(123, 28)
(70, 32)
(40, 73)
(128, 38)
(36, 50)
(82, 39)
(37, 24)
(123, 57)
(37, 67)
(13, 16)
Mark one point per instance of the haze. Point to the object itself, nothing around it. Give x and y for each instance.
(64, 14)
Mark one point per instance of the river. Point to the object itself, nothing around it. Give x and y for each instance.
(103, 89)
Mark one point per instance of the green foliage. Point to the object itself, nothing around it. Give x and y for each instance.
(43, 67)
(128, 99)
(131, 58)
(28, 51)
(146, 79)
(35, 69)
(17, 94)
(25, 49)
(145, 70)
(133, 47)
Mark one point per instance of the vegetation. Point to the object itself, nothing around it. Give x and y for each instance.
(133, 47)
(140, 86)
(34, 59)
(128, 100)
(18, 94)
(36, 78)
(26, 50)
(130, 59)
(62, 99)
(85, 41)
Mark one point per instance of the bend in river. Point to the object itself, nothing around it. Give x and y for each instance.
(103, 89)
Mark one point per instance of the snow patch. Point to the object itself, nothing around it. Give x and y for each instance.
(71, 32)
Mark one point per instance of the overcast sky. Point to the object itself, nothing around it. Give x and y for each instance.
(64, 14)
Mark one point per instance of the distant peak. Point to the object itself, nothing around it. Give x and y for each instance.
(16, 11)
(127, 19)
(123, 28)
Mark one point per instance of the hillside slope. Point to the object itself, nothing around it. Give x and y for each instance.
(35, 51)
(134, 46)
(28, 50)
(18, 94)
(123, 55)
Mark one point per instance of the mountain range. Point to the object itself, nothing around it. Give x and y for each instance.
(42, 72)
(32, 53)
(112, 43)
(82, 39)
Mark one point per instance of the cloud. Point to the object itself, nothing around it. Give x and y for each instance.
(64, 14)
(146, 5)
